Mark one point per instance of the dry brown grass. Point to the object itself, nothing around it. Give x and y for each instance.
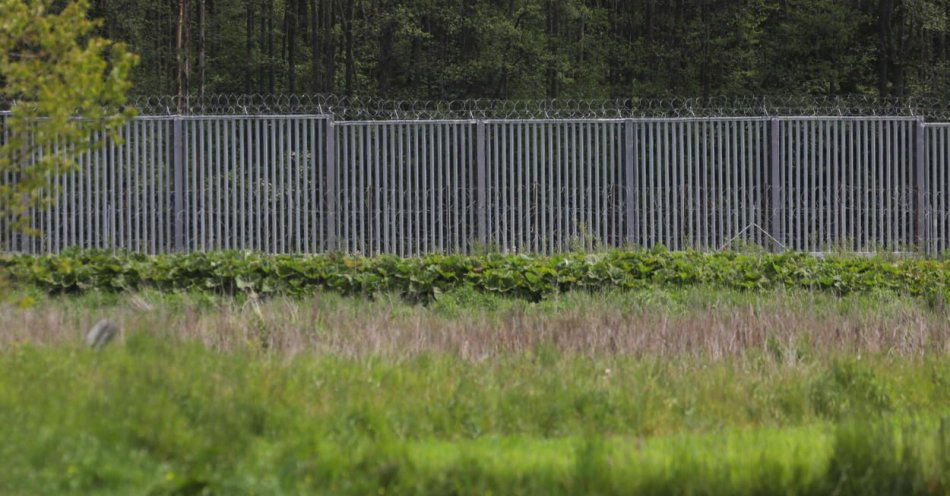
(700, 323)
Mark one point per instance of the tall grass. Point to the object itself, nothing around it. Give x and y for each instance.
(152, 416)
(690, 391)
(701, 322)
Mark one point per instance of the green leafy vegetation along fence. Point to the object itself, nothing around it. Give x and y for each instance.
(311, 184)
(423, 278)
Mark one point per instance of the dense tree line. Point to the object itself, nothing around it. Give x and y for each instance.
(444, 49)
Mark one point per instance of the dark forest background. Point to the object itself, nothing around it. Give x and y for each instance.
(448, 49)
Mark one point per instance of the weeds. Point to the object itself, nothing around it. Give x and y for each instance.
(423, 279)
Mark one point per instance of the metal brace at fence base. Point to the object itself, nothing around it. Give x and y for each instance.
(728, 243)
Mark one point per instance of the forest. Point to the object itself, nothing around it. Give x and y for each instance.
(527, 49)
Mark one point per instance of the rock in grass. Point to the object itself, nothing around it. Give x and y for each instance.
(101, 334)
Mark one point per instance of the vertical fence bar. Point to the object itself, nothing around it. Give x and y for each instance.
(257, 180)
(650, 185)
(273, 187)
(921, 212)
(331, 199)
(775, 226)
(363, 162)
(194, 189)
(531, 191)
(400, 188)
(849, 192)
(236, 175)
(313, 223)
(462, 194)
(346, 188)
(692, 184)
(545, 182)
(942, 182)
(879, 173)
(386, 166)
(822, 164)
(222, 210)
(869, 180)
(482, 185)
(629, 180)
(179, 191)
(377, 182)
(887, 185)
(242, 201)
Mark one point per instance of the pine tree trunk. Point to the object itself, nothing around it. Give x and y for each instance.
(900, 56)
(183, 46)
(315, 85)
(270, 46)
(262, 50)
(384, 67)
(330, 48)
(884, 52)
(290, 14)
(249, 43)
(348, 34)
(202, 21)
(554, 89)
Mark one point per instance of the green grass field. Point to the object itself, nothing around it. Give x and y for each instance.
(692, 390)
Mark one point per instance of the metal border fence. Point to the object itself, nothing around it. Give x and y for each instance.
(312, 184)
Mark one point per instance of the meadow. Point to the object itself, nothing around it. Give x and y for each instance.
(656, 389)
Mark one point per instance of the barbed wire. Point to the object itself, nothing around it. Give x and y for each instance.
(371, 108)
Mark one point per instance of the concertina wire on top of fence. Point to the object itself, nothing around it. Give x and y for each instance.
(373, 108)
(310, 183)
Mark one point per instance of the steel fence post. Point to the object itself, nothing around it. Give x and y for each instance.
(629, 180)
(179, 186)
(481, 183)
(331, 198)
(775, 222)
(921, 210)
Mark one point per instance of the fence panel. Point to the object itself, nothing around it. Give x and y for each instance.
(848, 184)
(118, 195)
(700, 182)
(255, 183)
(138, 192)
(938, 170)
(555, 185)
(406, 187)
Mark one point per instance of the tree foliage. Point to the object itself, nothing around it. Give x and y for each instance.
(66, 87)
(446, 49)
